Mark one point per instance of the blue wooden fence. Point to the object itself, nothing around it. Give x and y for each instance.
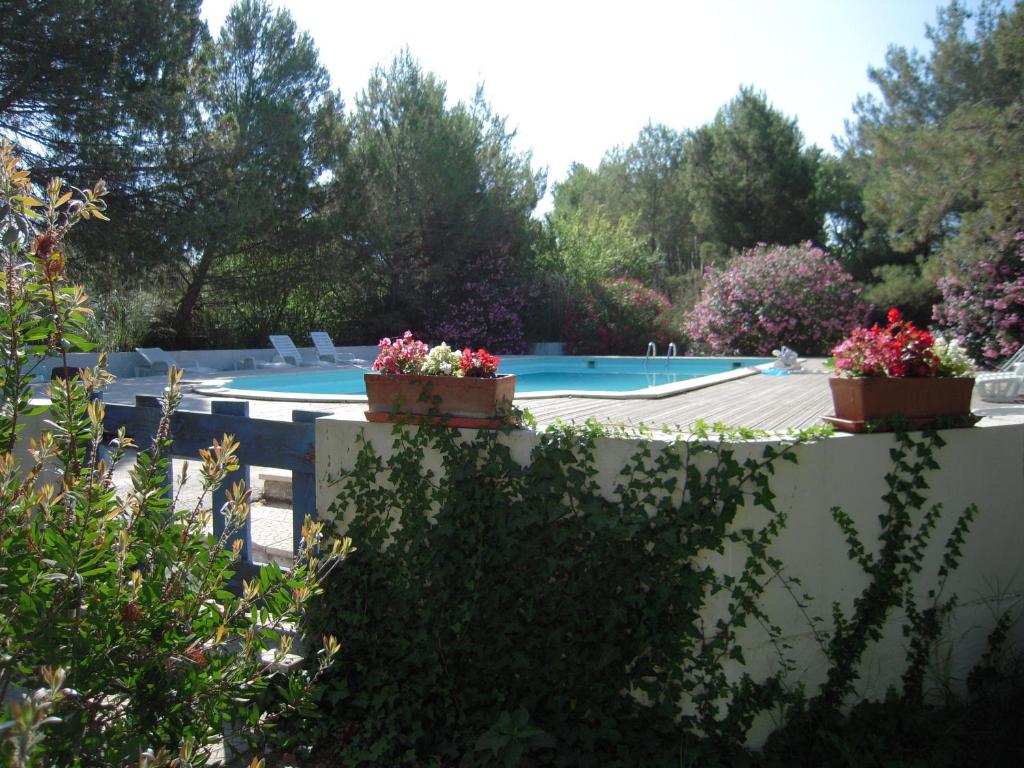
(262, 443)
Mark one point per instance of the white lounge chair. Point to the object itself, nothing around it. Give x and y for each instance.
(289, 353)
(1014, 361)
(157, 361)
(1002, 387)
(325, 350)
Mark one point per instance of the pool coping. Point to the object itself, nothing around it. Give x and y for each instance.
(215, 387)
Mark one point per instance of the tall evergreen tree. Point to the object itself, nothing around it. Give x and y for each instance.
(655, 169)
(443, 197)
(750, 178)
(96, 89)
(940, 154)
(271, 129)
(103, 78)
(644, 184)
(942, 150)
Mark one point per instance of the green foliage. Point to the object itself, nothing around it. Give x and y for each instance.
(616, 317)
(945, 137)
(507, 613)
(911, 288)
(692, 197)
(511, 737)
(939, 155)
(893, 734)
(269, 128)
(440, 196)
(750, 178)
(497, 610)
(903, 543)
(102, 86)
(117, 603)
(588, 248)
(642, 184)
(78, 76)
(122, 318)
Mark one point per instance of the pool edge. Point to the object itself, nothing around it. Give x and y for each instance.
(211, 388)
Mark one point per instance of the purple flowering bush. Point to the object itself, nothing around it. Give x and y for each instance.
(984, 308)
(774, 295)
(485, 312)
(616, 317)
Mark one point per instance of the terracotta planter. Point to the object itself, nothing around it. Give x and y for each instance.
(455, 402)
(920, 400)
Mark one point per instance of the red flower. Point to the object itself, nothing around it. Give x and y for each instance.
(480, 364)
(898, 350)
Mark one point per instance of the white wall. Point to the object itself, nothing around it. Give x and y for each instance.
(128, 364)
(983, 465)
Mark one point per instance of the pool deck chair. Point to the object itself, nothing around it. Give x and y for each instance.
(289, 353)
(1014, 362)
(1004, 385)
(325, 350)
(157, 361)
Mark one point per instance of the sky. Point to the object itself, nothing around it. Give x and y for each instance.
(575, 79)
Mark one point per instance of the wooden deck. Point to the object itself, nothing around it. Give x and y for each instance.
(770, 403)
(762, 402)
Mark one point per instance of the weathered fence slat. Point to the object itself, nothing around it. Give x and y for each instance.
(241, 475)
(151, 415)
(262, 442)
(304, 482)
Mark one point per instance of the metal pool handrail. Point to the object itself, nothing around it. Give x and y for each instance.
(652, 351)
(670, 353)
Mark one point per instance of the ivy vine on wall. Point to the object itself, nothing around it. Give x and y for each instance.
(497, 612)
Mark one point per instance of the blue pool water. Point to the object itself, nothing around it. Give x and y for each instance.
(533, 374)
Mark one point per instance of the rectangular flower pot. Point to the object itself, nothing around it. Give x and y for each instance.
(919, 400)
(454, 401)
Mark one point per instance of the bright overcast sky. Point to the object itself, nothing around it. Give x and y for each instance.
(575, 79)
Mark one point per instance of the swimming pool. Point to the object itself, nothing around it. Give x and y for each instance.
(535, 377)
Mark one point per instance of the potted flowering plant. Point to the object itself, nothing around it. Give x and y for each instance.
(458, 389)
(899, 370)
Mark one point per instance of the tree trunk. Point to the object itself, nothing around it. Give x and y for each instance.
(182, 323)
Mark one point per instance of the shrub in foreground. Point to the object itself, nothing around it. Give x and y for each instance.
(770, 296)
(114, 605)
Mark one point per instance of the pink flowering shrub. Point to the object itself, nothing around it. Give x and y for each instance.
(616, 317)
(984, 309)
(404, 355)
(484, 312)
(774, 295)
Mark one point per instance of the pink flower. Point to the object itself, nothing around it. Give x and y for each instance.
(774, 295)
(403, 355)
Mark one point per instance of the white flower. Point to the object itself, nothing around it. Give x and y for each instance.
(442, 360)
(953, 359)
